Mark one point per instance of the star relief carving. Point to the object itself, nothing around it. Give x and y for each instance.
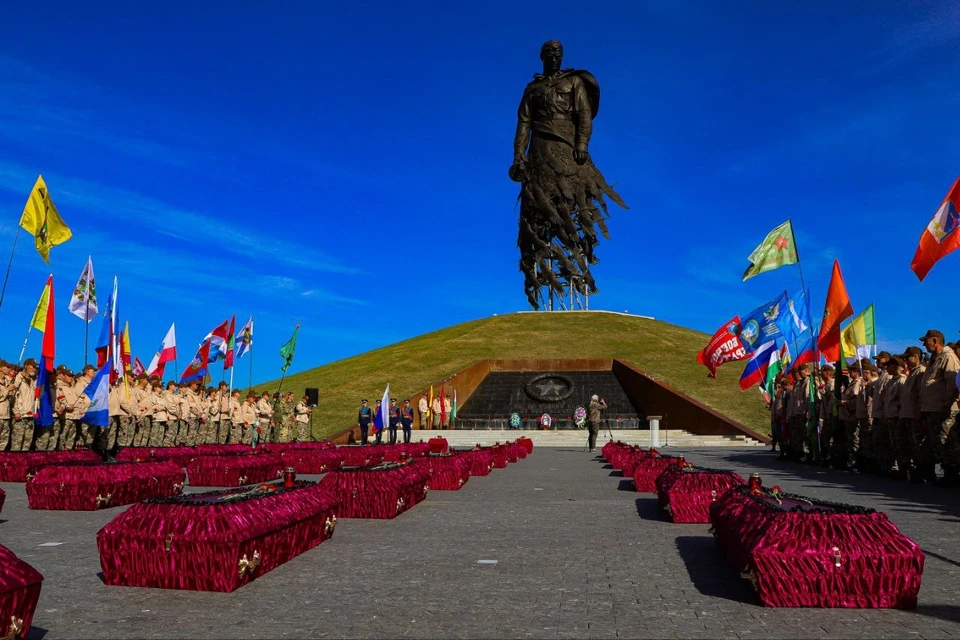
(549, 388)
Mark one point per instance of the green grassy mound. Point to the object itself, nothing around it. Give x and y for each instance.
(663, 350)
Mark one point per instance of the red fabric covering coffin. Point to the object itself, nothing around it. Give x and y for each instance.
(15, 466)
(214, 541)
(280, 447)
(526, 443)
(500, 457)
(438, 444)
(809, 553)
(92, 487)
(479, 461)
(385, 491)
(234, 471)
(414, 449)
(447, 472)
(631, 459)
(312, 460)
(619, 455)
(607, 450)
(19, 593)
(686, 493)
(179, 455)
(360, 456)
(646, 471)
(224, 449)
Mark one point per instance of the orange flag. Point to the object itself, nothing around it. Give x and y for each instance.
(836, 310)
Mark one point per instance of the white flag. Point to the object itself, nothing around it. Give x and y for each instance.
(83, 303)
(166, 352)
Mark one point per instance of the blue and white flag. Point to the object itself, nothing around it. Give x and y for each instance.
(761, 325)
(381, 421)
(98, 414)
(245, 338)
(792, 322)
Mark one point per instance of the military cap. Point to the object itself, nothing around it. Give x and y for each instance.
(155, 378)
(882, 355)
(825, 368)
(30, 362)
(141, 377)
(913, 351)
(803, 367)
(406, 399)
(88, 367)
(393, 399)
(364, 400)
(62, 369)
(869, 366)
(894, 360)
(250, 394)
(223, 383)
(932, 333)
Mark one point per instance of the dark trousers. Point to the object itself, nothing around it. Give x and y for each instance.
(593, 429)
(407, 431)
(364, 432)
(393, 432)
(378, 437)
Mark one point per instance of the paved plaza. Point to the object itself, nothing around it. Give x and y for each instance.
(555, 546)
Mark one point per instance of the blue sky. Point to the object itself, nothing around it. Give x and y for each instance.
(346, 166)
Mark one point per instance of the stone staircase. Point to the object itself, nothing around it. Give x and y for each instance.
(577, 438)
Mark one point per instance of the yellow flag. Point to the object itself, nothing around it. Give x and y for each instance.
(859, 338)
(39, 321)
(430, 406)
(40, 217)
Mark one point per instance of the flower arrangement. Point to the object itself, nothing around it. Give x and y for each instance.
(580, 417)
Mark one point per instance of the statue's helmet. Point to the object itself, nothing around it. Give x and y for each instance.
(551, 45)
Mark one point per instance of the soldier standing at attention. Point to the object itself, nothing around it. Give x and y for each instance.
(289, 417)
(142, 401)
(406, 420)
(6, 396)
(301, 414)
(423, 408)
(171, 399)
(86, 434)
(364, 418)
(849, 403)
(885, 437)
(378, 433)
(246, 416)
(23, 402)
(394, 420)
(265, 417)
(938, 406)
(827, 416)
(911, 435)
(160, 416)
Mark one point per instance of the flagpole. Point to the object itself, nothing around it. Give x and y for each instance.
(9, 264)
(24, 348)
(250, 378)
(86, 337)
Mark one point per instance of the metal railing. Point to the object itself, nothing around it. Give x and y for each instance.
(533, 423)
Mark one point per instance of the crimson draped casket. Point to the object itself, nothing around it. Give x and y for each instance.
(214, 541)
(448, 472)
(647, 470)
(19, 593)
(382, 491)
(526, 443)
(607, 450)
(362, 456)
(801, 552)
(234, 470)
(16, 466)
(438, 444)
(223, 449)
(312, 460)
(686, 493)
(479, 461)
(630, 459)
(179, 455)
(280, 447)
(90, 487)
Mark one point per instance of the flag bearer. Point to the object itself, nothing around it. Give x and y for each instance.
(7, 390)
(378, 433)
(87, 434)
(364, 418)
(174, 434)
(161, 416)
(142, 399)
(406, 420)
(23, 402)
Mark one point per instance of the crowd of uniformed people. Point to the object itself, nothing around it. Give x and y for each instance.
(896, 415)
(144, 412)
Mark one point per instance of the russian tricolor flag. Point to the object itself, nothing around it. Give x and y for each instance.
(756, 371)
(941, 236)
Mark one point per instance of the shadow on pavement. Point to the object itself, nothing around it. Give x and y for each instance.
(649, 509)
(710, 572)
(949, 612)
(627, 485)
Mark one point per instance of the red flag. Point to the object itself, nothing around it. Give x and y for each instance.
(228, 360)
(941, 236)
(137, 367)
(724, 347)
(45, 393)
(836, 310)
(443, 407)
(197, 369)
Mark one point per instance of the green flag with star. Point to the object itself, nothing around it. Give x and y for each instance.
(776, 250)
(286, 351)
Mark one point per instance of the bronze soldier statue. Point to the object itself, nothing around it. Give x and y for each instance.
(561, 197)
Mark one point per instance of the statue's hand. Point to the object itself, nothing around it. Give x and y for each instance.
(518, 170)
(580, 154)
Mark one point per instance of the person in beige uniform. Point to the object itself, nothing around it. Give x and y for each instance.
(423, 409)
(7, 389)
(910, 436)
(231, 418)
(865, 415)
(247, 417)
(23, 402)
(191, 413)
(86, 434)
(67, 394)
(265, 417)
(798, 412)
(47, 438)
(827, 417)
(886, 429)
(938, 406)
(141, 399)
(301, 415)
(158, 427)
(171, 401)
(848, 413)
